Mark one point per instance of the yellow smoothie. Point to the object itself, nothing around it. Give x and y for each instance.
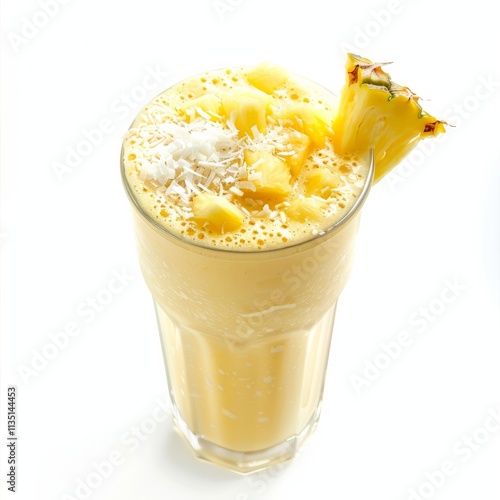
(246, 222)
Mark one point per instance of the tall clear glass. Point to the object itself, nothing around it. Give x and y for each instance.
(246, 335)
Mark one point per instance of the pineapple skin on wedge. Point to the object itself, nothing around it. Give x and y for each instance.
(376, 112)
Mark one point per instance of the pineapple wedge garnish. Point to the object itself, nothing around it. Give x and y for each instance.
(217, 211)
(376, 112)
(270, 175)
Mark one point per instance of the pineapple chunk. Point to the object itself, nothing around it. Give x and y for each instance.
(376, 112)
(209, 103)
(307, 119)
(300, 144)
(267, 77)
(273, 174)
(250, 109)
(305, 209)
(320, 182)
(219, 212)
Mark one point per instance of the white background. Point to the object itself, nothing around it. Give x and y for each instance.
(430, 231)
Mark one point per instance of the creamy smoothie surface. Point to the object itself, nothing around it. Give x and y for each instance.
(241, 159)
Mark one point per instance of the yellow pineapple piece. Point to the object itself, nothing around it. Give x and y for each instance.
(209, 103)
(308, 119)
(270, 175)
(376, 112)
(267, 77)
(249, 109)
(320, 182)
(218, 211)
(305, 209)
(300, 144)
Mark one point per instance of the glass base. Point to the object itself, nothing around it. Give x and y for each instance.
(245, 462)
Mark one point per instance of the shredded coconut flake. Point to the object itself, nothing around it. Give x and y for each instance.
(253, 176)
(187, 158)
(247, 185)
(236, 191)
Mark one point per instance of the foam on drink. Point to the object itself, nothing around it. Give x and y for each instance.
(250, 149)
